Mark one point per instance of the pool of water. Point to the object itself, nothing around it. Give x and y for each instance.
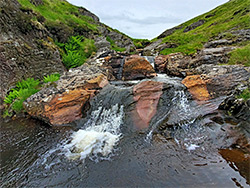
(187, 144)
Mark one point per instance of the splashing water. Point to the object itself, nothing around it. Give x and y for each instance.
(99, 138)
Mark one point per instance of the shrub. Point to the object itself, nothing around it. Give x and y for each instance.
(51, 78)
(141, 43)
(76, 51)
(28, 83)
(23, 94)
(18, 95)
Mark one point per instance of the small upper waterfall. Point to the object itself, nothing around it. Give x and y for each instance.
(119, 75)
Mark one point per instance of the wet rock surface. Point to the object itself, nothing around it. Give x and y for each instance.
(146, 95)
(237, 107)
(218, 80)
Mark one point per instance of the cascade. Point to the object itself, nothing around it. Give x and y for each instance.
(119, 76)
(100, 134)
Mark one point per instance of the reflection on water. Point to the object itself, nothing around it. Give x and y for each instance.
(239, 161)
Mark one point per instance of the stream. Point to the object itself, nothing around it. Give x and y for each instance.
(187, 144)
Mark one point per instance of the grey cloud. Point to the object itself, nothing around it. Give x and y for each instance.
(146, 18)
(150, 20)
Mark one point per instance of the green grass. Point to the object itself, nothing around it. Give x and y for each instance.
(245, 95)
(61, 12)
(240, 56)
(76, 51)
(114, 45)
(223, 19)
(140, 43)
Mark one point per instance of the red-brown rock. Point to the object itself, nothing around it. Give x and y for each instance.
(136, 67)
(66, 102)
(146, 95)
(161, 62)
(67, 107)
(197, 87)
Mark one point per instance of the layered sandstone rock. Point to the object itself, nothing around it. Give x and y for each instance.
(136, 67)
(214, 80)
(65, 103)
(197, 87)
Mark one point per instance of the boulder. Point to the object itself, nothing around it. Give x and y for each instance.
(214, 80)
(115, 61)
(237, 107)
(160, 63)
(197, 87)
(66, 102)
(147, 95)
(177, 64)
(136, 67)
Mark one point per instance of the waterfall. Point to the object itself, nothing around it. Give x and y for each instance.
(100, 135)
(119, 76)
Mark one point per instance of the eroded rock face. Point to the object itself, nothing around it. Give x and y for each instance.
(147, 95)
(194, 25)
(65, 103)
(197, 87)
(215, 80)
(136, 67)
(177, 64)
(25, 50)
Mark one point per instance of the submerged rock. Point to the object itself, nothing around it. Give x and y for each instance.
(147, 95)
(66, 102)
(136, 67)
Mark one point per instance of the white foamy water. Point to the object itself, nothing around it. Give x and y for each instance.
(100, 136)
(191, 147)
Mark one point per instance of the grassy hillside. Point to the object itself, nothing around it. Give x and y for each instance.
(233, 15)
(61, 12)
(73, 29)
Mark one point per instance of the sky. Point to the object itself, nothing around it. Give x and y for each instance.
(146, 18)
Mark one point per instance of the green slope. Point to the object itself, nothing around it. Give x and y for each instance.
(61, 12)
(233, 15)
